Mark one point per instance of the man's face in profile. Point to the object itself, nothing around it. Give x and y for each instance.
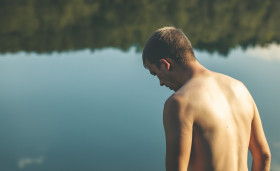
(163, 74)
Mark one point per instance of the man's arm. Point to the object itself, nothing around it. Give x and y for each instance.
(258, 144)
(178, 131)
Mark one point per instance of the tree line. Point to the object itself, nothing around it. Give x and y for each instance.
(61, 25)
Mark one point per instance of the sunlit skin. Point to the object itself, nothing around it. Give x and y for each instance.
(210, 121)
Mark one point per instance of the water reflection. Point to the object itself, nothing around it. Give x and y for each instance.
(101, 110)
(46, 26)
(54, 112)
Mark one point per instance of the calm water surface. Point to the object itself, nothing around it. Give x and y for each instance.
(101, 110)
(66, 107)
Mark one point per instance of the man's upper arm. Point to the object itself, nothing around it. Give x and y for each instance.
(178, 125)
(258, 143)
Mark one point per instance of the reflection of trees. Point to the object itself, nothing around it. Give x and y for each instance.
(58, 25)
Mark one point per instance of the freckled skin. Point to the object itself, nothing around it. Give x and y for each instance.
(210, 121)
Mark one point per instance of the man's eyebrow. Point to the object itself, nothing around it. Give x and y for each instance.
(152, 73)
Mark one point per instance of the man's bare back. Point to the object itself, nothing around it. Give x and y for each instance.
(211, 120)
(222, 110)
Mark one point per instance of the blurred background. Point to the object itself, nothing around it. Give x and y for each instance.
(74, 94)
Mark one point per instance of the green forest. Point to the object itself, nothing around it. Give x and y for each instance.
(62, 25)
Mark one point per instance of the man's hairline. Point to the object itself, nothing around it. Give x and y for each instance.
(182, 64)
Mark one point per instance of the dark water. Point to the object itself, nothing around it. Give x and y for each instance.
(75, 96)
(212, 25)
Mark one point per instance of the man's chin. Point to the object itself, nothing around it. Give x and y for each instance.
(172, 89)
(175, 89)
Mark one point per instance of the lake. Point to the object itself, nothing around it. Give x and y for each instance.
(75, 94)
(101, 110)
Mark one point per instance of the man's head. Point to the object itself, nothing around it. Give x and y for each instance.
(167, 51)
(168, 42)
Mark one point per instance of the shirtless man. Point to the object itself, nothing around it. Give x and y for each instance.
(211, 119)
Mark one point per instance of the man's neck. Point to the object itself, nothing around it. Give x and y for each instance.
(191, 70)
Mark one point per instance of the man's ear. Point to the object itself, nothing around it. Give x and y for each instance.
(166, 63)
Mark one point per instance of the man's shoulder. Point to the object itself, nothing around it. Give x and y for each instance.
(184, 96)
(227, 79)
(198, 90)
(233, 84)
(174, 100)
(178, 102)
(209, 82)
(176, 108)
